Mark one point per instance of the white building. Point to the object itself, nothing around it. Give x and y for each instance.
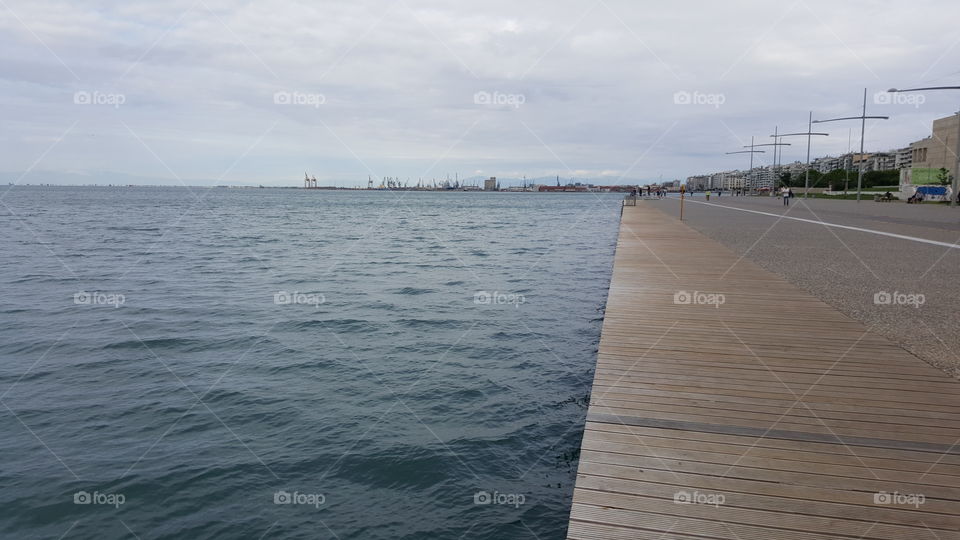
(904, 157)
(734, 180)
(698, 182)
(762, 177)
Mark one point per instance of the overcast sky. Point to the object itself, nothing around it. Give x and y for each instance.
(258, 92)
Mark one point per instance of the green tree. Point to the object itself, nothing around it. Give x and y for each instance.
(837, 179)
(816, 179)
(944, 177)
(881, 178)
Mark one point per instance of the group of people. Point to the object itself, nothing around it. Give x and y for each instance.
(659, 193)
(731, 192)
(915, 198)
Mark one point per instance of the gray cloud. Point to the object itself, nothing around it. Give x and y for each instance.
(399, 83)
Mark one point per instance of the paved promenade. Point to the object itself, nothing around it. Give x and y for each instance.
(846, 267)
(729, 404)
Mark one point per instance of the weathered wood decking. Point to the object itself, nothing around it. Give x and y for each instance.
(778, 416)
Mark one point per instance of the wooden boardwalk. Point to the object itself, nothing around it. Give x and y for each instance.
(769, 416)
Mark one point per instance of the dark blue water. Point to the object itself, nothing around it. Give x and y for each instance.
(149, 370)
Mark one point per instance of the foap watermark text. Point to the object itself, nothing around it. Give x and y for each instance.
(698, 298)
(684, 97)
(283, 298)
(97, 97)
(515, 500)
(899, 499)
(498, 298)
(896, 98)
(697, 497)
(307, 499)
(97, 298)
(310, 99)
(499, 98)
(109, 499)
(897, 298)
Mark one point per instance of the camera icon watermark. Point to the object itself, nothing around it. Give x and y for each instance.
(498, 298)
(84, 97)
(315, 500)
(515, 500)
(110, 499)
(97, 298)
(684, 97)
(897, 498)
(499, 98)
(310, 99)
(695, 497)
(699, 298)
(896, 298)
(897, 98)
(283, 298)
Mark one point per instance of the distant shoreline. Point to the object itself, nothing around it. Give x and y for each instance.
(325, 188)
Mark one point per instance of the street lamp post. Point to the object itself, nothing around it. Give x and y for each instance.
(809, 134)
(954, 184)
(775, 145)
(863, 130)
(776, 139)
(777, 152)
(751, 152)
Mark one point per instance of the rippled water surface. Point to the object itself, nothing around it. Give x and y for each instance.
(438, 345)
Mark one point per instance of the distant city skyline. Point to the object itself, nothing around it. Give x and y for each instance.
(211, 93)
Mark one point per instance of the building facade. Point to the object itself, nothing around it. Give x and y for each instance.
(939, 151)
(904, 157)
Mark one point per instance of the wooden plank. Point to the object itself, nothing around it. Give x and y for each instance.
(839, 499)
(821, 431)
(652, 434)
